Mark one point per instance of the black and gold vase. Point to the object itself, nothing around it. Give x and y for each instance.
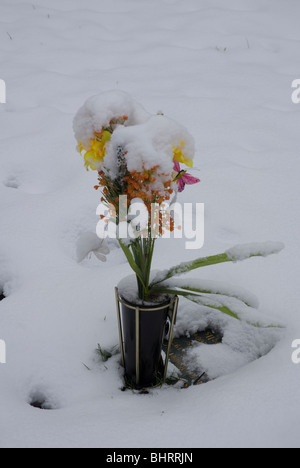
(142, 331)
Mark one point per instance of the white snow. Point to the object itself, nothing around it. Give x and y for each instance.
(149, 144)
(242, 252)
(128, 290)
(241, 343)
(89, 242)
(99, 110)
(223, 69)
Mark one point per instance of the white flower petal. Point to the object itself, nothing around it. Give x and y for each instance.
(88, 242)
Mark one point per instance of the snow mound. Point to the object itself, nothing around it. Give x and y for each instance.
(241, 342)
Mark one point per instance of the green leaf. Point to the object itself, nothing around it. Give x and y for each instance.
(207, 302)
(199, 299)
(220, 307)
(238, 253)
(105, 355)
(219, 290)
(132, 262)
(189, 266)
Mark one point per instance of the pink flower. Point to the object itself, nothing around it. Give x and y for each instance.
(183, 178)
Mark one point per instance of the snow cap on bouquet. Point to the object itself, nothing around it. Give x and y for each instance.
(112, 122)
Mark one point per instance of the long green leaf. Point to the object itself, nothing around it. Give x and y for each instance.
(219, 289)
(220, 308)
(132, 262)
(205, 301)
(234, 255)
(189, 266)
(198, 299)
(229, 312)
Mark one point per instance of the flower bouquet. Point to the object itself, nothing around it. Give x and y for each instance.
(142, 162)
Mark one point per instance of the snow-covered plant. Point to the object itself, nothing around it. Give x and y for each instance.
(230, 300)
(144, 158)
(139, 158)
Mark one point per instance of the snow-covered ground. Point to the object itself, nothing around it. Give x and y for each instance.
(224, 69)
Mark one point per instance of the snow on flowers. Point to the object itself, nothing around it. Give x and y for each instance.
(136, 154)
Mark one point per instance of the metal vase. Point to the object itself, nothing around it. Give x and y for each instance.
(142, 330)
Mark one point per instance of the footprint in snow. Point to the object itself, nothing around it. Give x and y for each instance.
(40, 399)
(11, 182)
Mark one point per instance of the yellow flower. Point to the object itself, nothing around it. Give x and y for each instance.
(96, 151)
(179, 156)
